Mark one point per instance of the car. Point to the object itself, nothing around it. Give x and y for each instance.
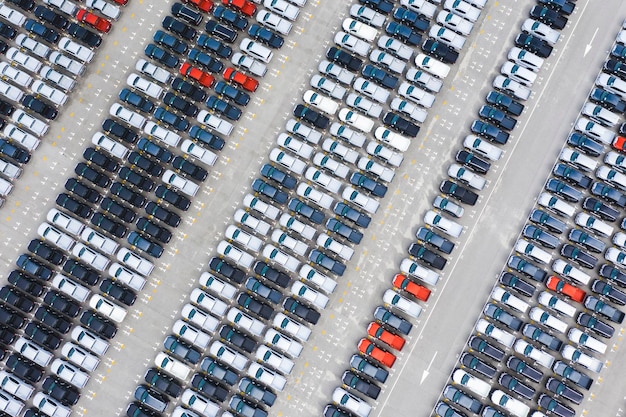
(577, 356)
(608, 290)
(98, 158)
(608, 193)
(472, 362)
(578, 378)
(266, 36)
(610, 312)
(230, 17)
(584, 259)
(509, 403)
(463, 9)
(344, 59)
(490, 132)
(306, 313)
(178, 27)
(209, 387)
(222, 32)
(369, 204)
(256, 391)
(534, 44)
(403, 32)
(517, 283)
(464, 400)
(231, 272)
(351, 214)
(163, 57)
(586, 240)
(382, 356)
(459, 192)
(557, 205)
(554, 303)
(318, 120)
(99, 23)
(273, 21)
(266, 376)
(399, 123)
(205, 79)
(554, 406)
(60, 391)
(595, 325)
(515, 385)
(604, 211)
(493, 311)
(521, 265)
(380, 76)
(283, 8)
(545, 239)
(568, 192)
(534, 333)
(440, 50)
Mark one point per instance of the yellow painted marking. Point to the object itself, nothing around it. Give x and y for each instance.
(306, 364)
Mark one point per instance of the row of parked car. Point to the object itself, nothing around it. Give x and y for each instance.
(46, 50)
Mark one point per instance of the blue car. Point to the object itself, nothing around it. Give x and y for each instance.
(231, 17)
(151, 248)
(154, 150)
(136, 100)
(327, 262)
(170, 41)
(228, 110)
(165, 58)
(213, 45)
(379, 75)
(229, 91)
(209, 138)
(171, 119)
(266, 36)
(205, 60)
(279, 176)
(403, 33)
(268, 190)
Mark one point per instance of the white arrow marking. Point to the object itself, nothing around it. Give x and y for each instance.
(425, 373)
(588, 46)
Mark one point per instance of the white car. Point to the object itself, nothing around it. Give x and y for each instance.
(10, 170)
(15, 386)
(290, 222)
(584, 339)
(447, 36)
(512, 405)
(296, 146)
(12, 15)
(147, 87)
(320, 102)
(172, 366)
(61, 80)
(273, 21)
(56, 96)
(503, 337)
(553, 302)
(352, 43)
(66, 6)
(421, 6)
(525, 58)
(228, 355)
(247, 219)
(89, 341)
(237, 235)
(71, 65)
(99, 241)
(11, 92)
(365, 105)
(199, 403)
(395, 46)
(600, 114)
(307, 293)
(54, 236)
(65, 221)
(591, 223)
(266, 376)
(595, 130)
(327, 242)
(245, 321)
(237, 255)
(567, 270)
(284, 159)
(343, 132)
(274, 254)
(454, 22)
(303, 131)
(331, 184)
(157, 73)
(463, 9)
(505, 297)
(616, 256)
(113, 147)
(249, 64)
(579, 159)
(90, 256)
(191, 334)
(447, 226)
(611, 176)
(200, 318)
(409, 307)
(368, 204)
(217, 286)
(136, 262)
(319, 198)
(416, 95)
(525, 247)
(282, 8)
(261, 206)
(17, 76)
(25, 139)
(274, 359)
(295, 329)
(80, 357)
(359, 29)
(551, 202)
(132, 118)
(572, 354)
(367, 15)
(368, 165)
(329, 87)
(32, 351)
(283, 343)
(107, 9)
(38, 127)
(433, 66)
(162, 134)
(541, 316)
(414, 112)
(352, 403)
(183, 184)
(376, 149)
(393, 139)
(610, 82)
(387, 60)
(512, 87)
(541, 30)
(320, 280)
(325, 161)
(429, 276)
(208, 302)
(346, 154)
(107, 308)
(424, 79)
(518, 73)
(68, 373)
(526, 349)
(75, 49)
(371, 90)
(71, 288)
(464, 175)
(49, 406)
(191, 148)
(334, 70)
(472, 383)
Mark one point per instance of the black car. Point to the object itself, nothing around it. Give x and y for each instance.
(308, 314)
(51, 17)
(568, 192)
(383, 6)
(368, 184)
(25, 283)
(344, 230)
(128, 195)
(535, 333)
(193, 170)
(179, 28)
(7, 31)
(300, 207)
(14, 152)
(317, 119)
(17, 299)
(266, 36)
(237, 338)
(181, 349)
(67, 202)
(150, 228)
(173, 197)
(585, 144)
(360, 384)
(383, 315)
(98, 324)
(98, 178)
(165, 58)
(489, 132)
(498, 117)
(431, 258)
(170, 119)
(152, 149)
(218, 371)
(515, 385)
(163, 383)
(610, 272)
(224, 268)
(553, 406)
(481, 345)
(136, 409)
(173, 43)
(608, 193)
(133, 177)
(109, 225)
(189, 90)
(147, 246)
(26, 5)
(239, 97)
(61, 391)
(81, 190)
(548, 16)
(595, 325)
(512, 322)
(209, 387)
(257, 307)
(268, 190)
(281, 177)
(89, 38)
(118, 292)
(52, 319)
(459, 192)
(593, 244)
(522, 368)
(11, 318)
(181, 104)
(522, 265)
(113, 128)
(136, 100)
(256, 391)
(62, 304)
(166, 216)
(562, 390)
(533, 44)
(504, 102)
(562, 6)
(225, 33)
(424, 234)
(401, 124)
(186, 13)
(619, 52)
(34, 267)
(81, 272)
(100, 159)
(472, 362)
(121, 212)
(351, 214)
(214, 141)
(221, 106)
(6, 108)
(277, 277)
(24, 368)
(46, 252)
(472, 161)
(344, 58)
(578, 255)
(606, 310)
(440, 50)
(517, 283)
(613, 66)
(544, 238)
(41, 335)
(604, 211)
(381, 76)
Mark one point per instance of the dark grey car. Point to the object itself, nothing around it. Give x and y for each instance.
(464, 400)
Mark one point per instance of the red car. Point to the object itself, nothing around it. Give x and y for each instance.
(121, 2)
(204, 5)
(242, 79)
(367, 347)
(404, 283)
(376, 330)
(93, 20)
(562, 287)
(246, 7)
(619, 143)
(202, 77)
